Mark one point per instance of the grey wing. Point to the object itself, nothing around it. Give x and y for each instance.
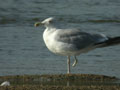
(76, 38)
(98, 38)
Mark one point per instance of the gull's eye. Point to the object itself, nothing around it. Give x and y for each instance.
(51, 21)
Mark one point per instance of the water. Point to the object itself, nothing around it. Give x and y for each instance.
(22, 50)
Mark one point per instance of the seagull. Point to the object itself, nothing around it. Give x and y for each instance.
(5, 83)
(72, 42)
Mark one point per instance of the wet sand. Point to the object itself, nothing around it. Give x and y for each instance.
(61, 82)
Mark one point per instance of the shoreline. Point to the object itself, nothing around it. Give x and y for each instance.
(60, 82)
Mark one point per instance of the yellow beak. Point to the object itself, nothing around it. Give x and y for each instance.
(37, 24)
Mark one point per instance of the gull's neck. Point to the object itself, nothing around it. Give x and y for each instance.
(50, 27)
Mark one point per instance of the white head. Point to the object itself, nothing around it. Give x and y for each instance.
(47, 22)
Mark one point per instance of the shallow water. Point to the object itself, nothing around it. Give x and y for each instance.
(22, 50)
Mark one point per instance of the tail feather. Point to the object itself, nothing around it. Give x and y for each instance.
(109, 42)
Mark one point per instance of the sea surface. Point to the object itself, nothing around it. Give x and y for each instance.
(22, 49)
